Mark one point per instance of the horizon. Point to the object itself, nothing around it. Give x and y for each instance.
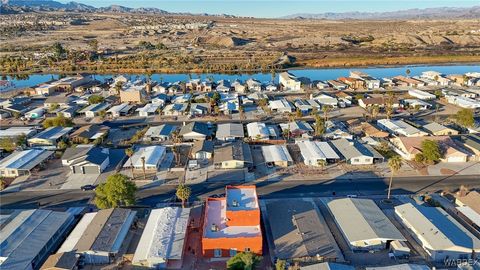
(275, 9)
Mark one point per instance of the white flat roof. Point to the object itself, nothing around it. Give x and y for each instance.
(257, 128)
(362, 220)
(245, 197)
(274, 153)
(470, 214)
(217, 214)
(16, 131)
(77, 233)
(152, 154)
(316, 150)
(438, 229)
(164, 236)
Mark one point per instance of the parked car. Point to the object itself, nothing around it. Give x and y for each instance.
(88, 187)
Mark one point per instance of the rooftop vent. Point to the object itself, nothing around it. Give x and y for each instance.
(235, 203)
(214, 227)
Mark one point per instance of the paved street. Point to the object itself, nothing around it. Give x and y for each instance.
(164, 193)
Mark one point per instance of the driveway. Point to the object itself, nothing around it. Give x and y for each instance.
(76, 181)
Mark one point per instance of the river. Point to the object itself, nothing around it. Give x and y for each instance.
(313, 74)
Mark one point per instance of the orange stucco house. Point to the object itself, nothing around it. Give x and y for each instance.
(232, 224)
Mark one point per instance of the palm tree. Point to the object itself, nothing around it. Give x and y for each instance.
(326, 109)
(183, 193)
(241, 111)
(408, 72)
(118, 87)
(143, 168)
(394, 163)
(375, 111)
(176, 139)
(286, 133)
(129, 152)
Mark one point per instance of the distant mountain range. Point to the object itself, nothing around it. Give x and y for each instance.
(428, 13)
(50, 5)
(20, 6)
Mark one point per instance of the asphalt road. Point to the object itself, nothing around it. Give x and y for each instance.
(166, 193)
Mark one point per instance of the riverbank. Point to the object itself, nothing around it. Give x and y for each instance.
(357, 62)
(354, 62)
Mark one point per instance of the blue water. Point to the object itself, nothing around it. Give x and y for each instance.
(313, 74)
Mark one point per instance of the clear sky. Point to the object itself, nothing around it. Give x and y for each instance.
(277, 8)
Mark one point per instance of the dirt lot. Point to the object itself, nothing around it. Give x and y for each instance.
(219, 43)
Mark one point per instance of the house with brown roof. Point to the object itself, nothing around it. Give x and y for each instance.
(61, 261)
(408, 147)
(471, 199)
(370, 130)
(407, 81)
(89, 133)
(379, 101)
(352, 83)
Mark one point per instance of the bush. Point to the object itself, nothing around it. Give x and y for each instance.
(58, 121)
(419, 157)
(95, 99)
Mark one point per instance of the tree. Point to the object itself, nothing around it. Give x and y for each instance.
(263, 102)
(322, 163)
(3, 184)
(118, 87)
(183, 193)
(143, 168)
(298, 113)
(129, 152)
(58, 50)
(326, 109)
(95, 99)
(58, 121)
(21, 140)
(102, 114)
(375, 111)
(431, 151)
(465, 118)
(176, 139)
(286, 133)
(244, 261)
(117, 191)
(216, 97)
(93, 44)
(394, 163)
(319, 126)
(53, 107)
(280, 265)
(408, 71)
(62, 145)
(241, 111)
(7, 144)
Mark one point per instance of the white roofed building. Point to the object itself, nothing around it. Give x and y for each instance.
(400, 127)
(148, 110)
(277, 155)
(163, 240)
(258, 131)
(289, 82)
(314, 152)
(421, 94)
(440, 235)
(362, 223)
(280, 106)
(153, 156)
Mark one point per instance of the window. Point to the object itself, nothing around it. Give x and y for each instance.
(247, 249)
(217, 253)
(356, 160)
(233, 252)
